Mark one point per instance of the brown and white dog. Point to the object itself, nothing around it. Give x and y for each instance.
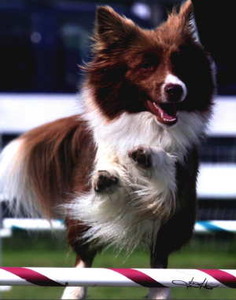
(123, 172)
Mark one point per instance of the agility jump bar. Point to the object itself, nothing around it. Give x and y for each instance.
(61, 277)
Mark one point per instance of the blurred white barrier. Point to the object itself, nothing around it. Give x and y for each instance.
(201, 227)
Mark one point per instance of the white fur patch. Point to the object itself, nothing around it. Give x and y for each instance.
(132, 130)
(133, 213)
(172, 79)
(114, 220)
(14, 184)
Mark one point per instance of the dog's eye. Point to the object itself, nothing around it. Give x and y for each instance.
(149, 63)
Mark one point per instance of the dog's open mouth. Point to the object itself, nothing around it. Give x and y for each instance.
(166, 113)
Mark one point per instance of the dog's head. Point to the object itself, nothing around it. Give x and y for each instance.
(163, 71)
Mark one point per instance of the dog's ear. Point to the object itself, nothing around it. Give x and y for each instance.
(186, 9)
(112, 28)
(186, 13)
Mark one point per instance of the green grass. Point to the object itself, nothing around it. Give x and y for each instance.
(45, 250)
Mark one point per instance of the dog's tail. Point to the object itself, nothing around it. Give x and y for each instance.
(37, 169)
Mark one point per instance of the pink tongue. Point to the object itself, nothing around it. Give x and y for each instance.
(162, 115)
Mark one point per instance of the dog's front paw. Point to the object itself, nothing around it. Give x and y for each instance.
(142, 156)
(103, 181)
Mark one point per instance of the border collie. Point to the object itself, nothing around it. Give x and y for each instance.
(122, 173)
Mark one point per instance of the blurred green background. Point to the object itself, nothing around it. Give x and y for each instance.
(51, 250)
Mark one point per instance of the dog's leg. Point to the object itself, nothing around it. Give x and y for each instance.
(160, 262)
(154, 172)
(171, 236)
(84, 256)
(156, 162)
(159, 293)
(77, 292)
(159, 167)
(107, 173)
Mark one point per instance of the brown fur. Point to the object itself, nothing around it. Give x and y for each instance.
(53, 154)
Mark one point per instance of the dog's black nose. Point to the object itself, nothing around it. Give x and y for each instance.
(174, 92)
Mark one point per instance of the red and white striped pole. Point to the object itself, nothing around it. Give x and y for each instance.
(195, 278)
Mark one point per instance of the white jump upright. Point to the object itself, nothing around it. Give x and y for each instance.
(60, 277)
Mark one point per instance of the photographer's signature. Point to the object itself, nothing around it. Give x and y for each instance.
(195, 284)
